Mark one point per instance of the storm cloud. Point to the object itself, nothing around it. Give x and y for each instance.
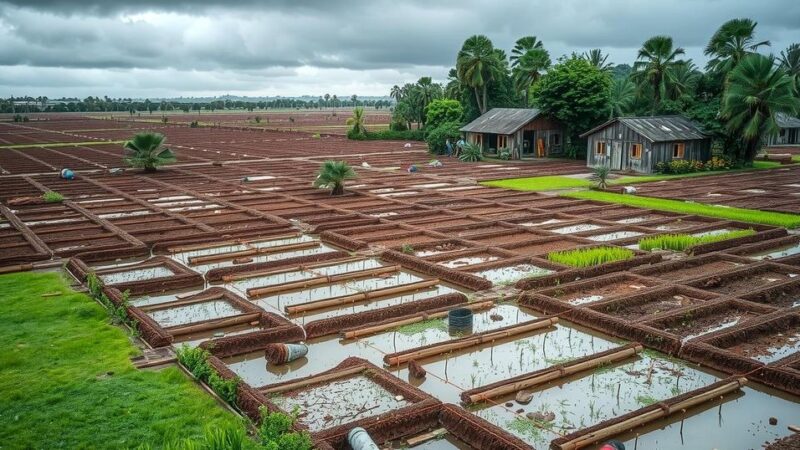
(153, 48)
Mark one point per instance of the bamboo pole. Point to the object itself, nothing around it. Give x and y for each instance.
(649, 416)
(397, 359)
(314, 380)
(206, 245)
(419, 317)
(195, 260)
(556, 372)
(212, 325)
(362, 296)
(298, 268)
(192, 300)
(257, 292)
(16, 268)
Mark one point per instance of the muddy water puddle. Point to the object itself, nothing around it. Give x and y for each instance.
(638, 310)
(540, 223)
(299, 275)
(162, 297)
(639, 219)
(203, 268)
(136, 275)
(576, 228)
(468, 261)
(338, 402)
(615, 235)
(511, 274)
(182, 315)
(597, 293)
(769, 348)
(592, 397)
(744, 284)
(777, 252)
(195, 339)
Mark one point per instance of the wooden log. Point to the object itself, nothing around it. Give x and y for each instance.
(298, 268)
(16, 268)
(419, 317)
(403, 357)
(214, 324)
(555, 373)
(314, 380)
(257, 292)
(425, 437)
(649, 416)
(217, 244)
(362, 296)
(181, 302)
(195, 260)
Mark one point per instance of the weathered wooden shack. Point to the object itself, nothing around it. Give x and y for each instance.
(789, 131)
(526, 133)
(639, 143)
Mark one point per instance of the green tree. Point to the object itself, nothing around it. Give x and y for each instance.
(596, 58)
(757, 90)
(529, 69)
(478, 65)
(437, 137)
(622, 96)
(441, 111)
(522, 46)
(655, 65)
(333, 174)
(576, 93)
(731, 43)
(147, 151)
(356, 123)
(790, 62)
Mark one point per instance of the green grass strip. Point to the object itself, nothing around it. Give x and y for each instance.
(57, 144)
(67, 380)
(547, 183)
(587, 257)
(679, 242)
(676, 206)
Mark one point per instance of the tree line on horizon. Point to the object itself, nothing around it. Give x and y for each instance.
(736, 97)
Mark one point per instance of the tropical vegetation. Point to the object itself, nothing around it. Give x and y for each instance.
(679, 242)
(588, 257)
(333, 174)
(147, 151)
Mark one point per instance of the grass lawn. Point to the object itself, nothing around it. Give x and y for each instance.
(548, 183)
(700, 209)
(66, 380)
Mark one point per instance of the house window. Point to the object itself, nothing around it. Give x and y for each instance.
(600, 148)
(678, 150)
(636, 151)
(477, 139)
(555, 140)
(502, 142)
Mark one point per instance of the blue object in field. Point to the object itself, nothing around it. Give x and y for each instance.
(459, 321)
(67, 174)
(412, 168)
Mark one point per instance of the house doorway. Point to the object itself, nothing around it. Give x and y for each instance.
(528, 143)
(616, 155)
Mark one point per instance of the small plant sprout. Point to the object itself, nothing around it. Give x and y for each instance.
(407, 249)
(681, 242)
(588, 257)
(52, 197)
(333, 174)
(600, 176)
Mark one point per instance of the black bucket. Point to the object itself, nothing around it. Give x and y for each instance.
(459, 321)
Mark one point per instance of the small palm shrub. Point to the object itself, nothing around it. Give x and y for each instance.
(333, 174)
(357, 123)
(147, 151)
(52, 197)
(600, 176)
(470, 153)
(588, 257)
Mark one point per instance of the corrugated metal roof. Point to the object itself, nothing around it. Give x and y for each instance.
(501, 120)
(787, 121)
(658, 128)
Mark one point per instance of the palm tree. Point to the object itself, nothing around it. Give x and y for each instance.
(332, 174)
(623, 94)
(522, 46)
(684, 80)
(529, 69)
(731, 43)
(453, 88)
(396, 93)
(655, 64)
(596, 58)
(757, 91)
(790, 62)
(147, 151)
(357, 122)
(477, 65)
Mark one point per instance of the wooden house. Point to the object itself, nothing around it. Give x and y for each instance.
(526, 133)
(789, 133)
(639, 143)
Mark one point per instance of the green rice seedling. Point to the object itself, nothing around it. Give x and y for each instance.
(681, 242)
(52, 197)
(420, 327)
(588, 257)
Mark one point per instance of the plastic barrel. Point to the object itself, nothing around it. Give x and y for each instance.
(360, 440)
(284, 353)
(459, 321)
(295, 351)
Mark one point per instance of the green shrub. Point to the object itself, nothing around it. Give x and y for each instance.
(680, 242)
(470, 153)
(388, 135)
(276, 432)
(194, 124)
(195, 359)
(397, 125)
(587, 257)
(52, 197)
(441, 111)
(437, 137)
(600, 176)
(504, 154)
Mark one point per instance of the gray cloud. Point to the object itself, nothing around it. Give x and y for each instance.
(275, 45)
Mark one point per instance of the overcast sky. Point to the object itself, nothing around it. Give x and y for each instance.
(152, 48)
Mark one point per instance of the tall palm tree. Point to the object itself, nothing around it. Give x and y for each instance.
(357, 122)
(757, 91)
(477, 65)
(684, 80)
(396, 93)
(453, 88)
(734, 40)
(623, 94)
(790, 62)
(596, 58)
(147, 151)
(333, 174)
(522, 46)
(655, 65)
(529, 69)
